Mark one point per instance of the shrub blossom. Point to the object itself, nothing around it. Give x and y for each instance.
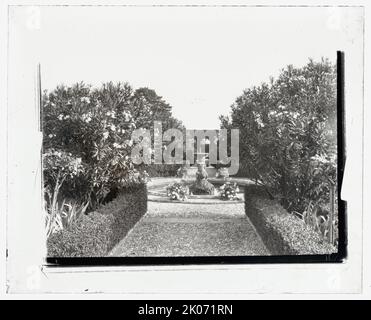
(177, 191)
(228, 191)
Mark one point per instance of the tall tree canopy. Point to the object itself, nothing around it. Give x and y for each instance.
(147, 107)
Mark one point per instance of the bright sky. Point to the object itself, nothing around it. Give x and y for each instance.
(198, 59)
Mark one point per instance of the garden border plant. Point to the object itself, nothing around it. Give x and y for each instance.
(281, 232)
(95, 234)
(87, 162)
(289, 129)
(228, 191)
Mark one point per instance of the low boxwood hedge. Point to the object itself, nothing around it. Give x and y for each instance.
(162, 170)
(96, 233)
(281, 232)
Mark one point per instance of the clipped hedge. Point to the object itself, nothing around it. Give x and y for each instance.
(162, 170)
(282, 233)
(95, 234)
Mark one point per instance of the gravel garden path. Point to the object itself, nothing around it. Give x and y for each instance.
(198, 228)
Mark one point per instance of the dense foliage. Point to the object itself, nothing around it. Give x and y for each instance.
(288, 127)
(281, 232)
(87, 137)
(95, 234)
(177, 191)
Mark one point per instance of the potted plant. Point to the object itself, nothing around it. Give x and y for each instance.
(223, 172)
(228, 191)
(177, 191)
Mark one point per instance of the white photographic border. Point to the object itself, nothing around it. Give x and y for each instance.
(25, 272)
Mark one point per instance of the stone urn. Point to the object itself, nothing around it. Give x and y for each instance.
(223, 173)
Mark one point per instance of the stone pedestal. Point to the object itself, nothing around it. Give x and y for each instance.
(211, 172)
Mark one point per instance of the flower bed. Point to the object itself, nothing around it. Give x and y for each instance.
(228, 191)
(95, 234)
(281, 232)
(177, 191)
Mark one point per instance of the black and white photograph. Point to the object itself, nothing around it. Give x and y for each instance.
(202, 133)
(185, 135)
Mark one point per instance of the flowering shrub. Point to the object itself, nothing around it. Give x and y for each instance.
(228, 191)
(177, 191)
(60, 165)
(289, 131)
(94, 127)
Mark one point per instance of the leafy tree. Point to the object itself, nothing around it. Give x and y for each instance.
(288, 129)
(94, 126)
(148, 107)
